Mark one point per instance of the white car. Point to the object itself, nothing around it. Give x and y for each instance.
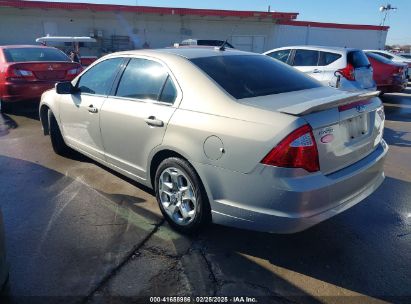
(393, 57)
(344, 68)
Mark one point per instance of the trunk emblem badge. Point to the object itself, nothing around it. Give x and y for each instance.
(50, 68)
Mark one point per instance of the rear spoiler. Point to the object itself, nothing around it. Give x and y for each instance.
(321, 104)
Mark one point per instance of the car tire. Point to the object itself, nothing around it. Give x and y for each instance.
(5, 107)
(181, 196)
(57, 141)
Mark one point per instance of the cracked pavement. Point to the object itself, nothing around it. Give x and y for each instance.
(75, 228)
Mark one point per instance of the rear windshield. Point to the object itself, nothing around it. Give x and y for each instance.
(358, 59)
(245, 76)
(379, 58)
(34, 54)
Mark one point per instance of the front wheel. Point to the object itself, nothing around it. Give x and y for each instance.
(181, 196)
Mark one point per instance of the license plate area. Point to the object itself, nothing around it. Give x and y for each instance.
(356, 127)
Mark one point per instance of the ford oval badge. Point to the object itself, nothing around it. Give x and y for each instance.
(360, 108)
(327, 138)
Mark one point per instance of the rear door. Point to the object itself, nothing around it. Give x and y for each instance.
(134, 119)
(329, 64)
(307, 61)
(362, 69)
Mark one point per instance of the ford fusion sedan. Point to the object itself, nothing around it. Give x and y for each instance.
(222, 135)
(26, 71)
(343, 68)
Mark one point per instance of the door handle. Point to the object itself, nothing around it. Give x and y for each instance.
(92, 109)
(317, 71)
(152, 121)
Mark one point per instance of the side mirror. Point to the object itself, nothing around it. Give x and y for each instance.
(64, 88)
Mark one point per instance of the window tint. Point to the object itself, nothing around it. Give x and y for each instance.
(99, 79)
(245, 76)
(306, 58)
(358, 59)
(281, 55)
(34, 54)
(384, 55)
(142, 79)
(406, 56)
(169, 92)
(327, 58)
(378, 58)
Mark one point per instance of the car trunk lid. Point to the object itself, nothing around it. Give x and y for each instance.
(46, 71)
(346, 126)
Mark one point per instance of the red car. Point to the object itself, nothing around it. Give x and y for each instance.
(26, 71)
(390, 76)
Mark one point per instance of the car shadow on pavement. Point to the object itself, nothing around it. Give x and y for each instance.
(397, 138)
(363, 250)
(6, 123)
(29, 109)
(65, 238)
(397, 107)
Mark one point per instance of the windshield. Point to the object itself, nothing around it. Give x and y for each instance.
(245, 76)
(34, 54)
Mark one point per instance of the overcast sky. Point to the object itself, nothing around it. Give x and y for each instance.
(346, 11)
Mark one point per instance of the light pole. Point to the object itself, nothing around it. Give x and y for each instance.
(386, 9)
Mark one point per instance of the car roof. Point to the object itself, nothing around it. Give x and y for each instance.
(317, 48)
(17, 46)
(187, 52)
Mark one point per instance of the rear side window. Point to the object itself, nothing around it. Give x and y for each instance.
(245, 76)
(34, 54)
(169, 92)
(306, 58)
(99, 78)
(384, 55)
(142, 79)
(326, 58)
(281, 55)
(358, 59)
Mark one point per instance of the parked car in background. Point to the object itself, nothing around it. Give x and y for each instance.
(26, 71)
(291, 152)
(405, 55)
(343, 68)
(4, 270)
(393, 57)
(205, 42)
(390, 76)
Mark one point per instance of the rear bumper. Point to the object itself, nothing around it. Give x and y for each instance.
(267, 201)
(14, 91)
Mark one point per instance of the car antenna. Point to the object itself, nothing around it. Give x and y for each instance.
(222, 47)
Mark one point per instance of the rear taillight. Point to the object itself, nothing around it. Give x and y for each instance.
(18, 74)
(348, 72)
(398, 71)
(297, 150)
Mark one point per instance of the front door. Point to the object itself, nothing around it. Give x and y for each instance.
(80, 112)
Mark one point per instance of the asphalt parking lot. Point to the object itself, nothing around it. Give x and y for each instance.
(75, 228)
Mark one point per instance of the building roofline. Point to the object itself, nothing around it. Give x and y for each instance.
(334, 25)
(146, 9)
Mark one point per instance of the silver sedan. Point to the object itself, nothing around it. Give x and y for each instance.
(221, 135)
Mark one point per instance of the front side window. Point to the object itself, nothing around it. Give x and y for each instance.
(142, 79)
(246, 76)
(99, 79)
(306, 58)
(281, 55)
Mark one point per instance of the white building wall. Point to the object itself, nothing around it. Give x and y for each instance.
(156, 31)
(288, 35)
